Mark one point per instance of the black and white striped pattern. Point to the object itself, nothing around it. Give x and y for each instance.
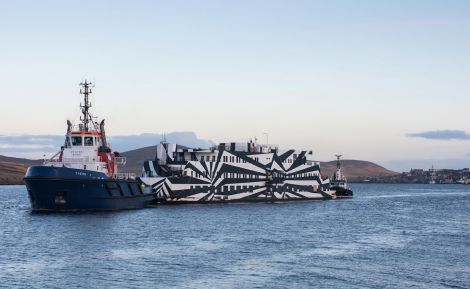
(259, 173)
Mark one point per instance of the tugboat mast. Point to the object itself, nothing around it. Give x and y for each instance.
(86, 118)
(339, 175)
(338, 163)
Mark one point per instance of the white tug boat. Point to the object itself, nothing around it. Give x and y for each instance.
(84, 175)
(234, 172)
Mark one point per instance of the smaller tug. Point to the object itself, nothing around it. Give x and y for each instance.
(84, 175)
(338, 182)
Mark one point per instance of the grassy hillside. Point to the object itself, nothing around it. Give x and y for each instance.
(14, 160)
(353, 169)
(12, 169)
(11, 173)
(136, 158)
(356, 170)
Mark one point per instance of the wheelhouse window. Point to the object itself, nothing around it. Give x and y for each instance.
(88, 141)
(77, 141)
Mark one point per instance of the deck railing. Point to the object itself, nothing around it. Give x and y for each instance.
(120, 160)
(71, 160)
(124, 176)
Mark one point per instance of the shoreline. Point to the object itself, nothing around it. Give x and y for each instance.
(375, 183)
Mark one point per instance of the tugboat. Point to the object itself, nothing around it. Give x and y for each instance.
(338, 182)
(84, 175)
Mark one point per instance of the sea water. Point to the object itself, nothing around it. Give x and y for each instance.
(393, 236)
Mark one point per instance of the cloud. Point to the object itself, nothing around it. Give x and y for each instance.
(36, 146)
(30, 146)
(30, 139)
(130, 142)
(7, 146)
(442, 135)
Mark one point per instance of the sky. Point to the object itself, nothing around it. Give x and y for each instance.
(384, 81)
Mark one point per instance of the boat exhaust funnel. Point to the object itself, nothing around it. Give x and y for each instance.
(69, 126)
(103, 134)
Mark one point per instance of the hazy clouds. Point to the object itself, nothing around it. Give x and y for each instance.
(349, 77)
(442, 135)
(36, 146)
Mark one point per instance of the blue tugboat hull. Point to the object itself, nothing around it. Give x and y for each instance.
(66, 189)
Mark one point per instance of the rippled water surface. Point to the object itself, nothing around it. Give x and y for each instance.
(403, 236)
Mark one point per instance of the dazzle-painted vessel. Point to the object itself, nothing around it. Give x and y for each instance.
(84, 175)
(234, 172)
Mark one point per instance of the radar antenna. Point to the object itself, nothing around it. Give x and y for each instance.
(86, 91)
(338, 161)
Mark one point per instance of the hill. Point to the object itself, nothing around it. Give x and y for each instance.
(11, 173)
(356, 170)
(14, 160)
(136, 158)
(13, 169)
(352, 169)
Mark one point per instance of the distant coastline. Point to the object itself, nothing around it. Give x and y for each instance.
(12, 170)
(419, 176)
